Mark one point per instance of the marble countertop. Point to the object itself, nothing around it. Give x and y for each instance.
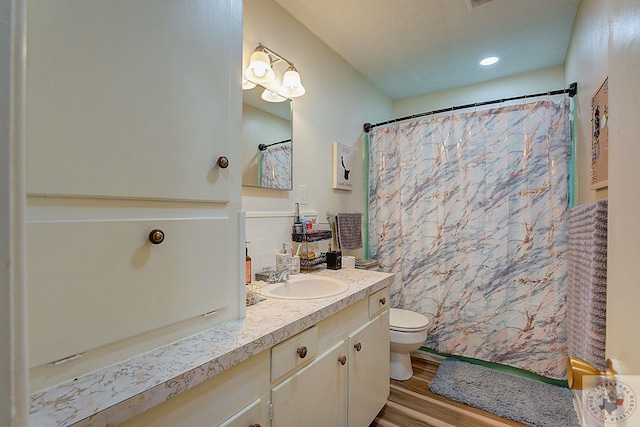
(118, 392)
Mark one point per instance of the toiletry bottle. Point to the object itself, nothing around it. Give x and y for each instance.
(247, 265)
(297, 225)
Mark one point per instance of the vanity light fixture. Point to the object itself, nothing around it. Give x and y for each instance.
(490, 60)
(260, 70)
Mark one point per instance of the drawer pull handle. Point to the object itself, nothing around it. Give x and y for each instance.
(342, 360)
(223, 162)
(358, 346)
(156, 236)
(383, 301)
(302, 352)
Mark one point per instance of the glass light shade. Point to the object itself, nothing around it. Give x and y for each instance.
(270, 96)
(246, 84)
(291, 84)
(259, 69)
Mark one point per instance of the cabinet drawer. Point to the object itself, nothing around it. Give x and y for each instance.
(294, 352)
(378, 302)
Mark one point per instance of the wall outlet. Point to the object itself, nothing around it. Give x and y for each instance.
(302, 195)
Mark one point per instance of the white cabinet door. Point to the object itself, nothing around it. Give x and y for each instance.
(368, 370)
(114, 283)
(316, 395)
(132, 98)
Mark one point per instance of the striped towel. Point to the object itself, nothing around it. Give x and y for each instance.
(350, 230)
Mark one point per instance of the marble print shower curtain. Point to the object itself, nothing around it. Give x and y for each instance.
(275, 167)
(469, 211)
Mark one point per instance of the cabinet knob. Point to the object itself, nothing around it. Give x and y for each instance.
(156, 236)
(383, 301)
(302, 352)
(358, 346)
(223, 162)
(255, 425)
(342, 360)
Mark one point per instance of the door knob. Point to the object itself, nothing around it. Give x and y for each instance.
(156, 236)
(223, 162)
(302, 352)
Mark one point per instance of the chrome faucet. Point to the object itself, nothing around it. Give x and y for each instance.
(282, 275)
(270, 275)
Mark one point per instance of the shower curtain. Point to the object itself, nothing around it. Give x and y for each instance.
(275, 167)
(469, 211)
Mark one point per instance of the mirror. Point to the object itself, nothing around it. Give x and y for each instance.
(267, 146)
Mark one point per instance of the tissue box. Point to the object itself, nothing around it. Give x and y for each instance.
(334, 260)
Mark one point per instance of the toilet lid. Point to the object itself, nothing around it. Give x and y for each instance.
(405, 320)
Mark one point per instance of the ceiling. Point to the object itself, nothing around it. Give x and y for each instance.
(409, 48)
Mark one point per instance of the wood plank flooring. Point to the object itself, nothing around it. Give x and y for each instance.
(412, 404)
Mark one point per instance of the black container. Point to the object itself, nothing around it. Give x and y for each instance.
(334, 260)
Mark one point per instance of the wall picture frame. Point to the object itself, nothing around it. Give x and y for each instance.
(343, 160)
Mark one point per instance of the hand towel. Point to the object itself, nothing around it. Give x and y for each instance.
(350, 230)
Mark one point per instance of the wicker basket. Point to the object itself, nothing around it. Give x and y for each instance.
(253, 294)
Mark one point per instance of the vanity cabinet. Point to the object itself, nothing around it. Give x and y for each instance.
(348, 382)
(316, 395)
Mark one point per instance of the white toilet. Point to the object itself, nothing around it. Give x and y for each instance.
(408, 331)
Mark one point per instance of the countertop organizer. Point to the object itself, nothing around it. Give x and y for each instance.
(306, 238)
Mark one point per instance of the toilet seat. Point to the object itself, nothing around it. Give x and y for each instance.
(406, 321)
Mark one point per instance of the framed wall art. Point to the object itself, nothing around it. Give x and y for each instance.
(343, 158)
(600, 137)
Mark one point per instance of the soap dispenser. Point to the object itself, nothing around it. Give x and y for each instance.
(283, 259)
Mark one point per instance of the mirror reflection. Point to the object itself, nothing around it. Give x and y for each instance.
(267, 148)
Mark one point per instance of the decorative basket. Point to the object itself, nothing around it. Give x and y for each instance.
(253, 294)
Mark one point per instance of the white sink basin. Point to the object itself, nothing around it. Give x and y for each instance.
(305, 286)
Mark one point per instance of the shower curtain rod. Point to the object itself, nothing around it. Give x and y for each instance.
(572, 90)
(263, 147)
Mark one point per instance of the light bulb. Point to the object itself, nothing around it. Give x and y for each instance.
(490, 60)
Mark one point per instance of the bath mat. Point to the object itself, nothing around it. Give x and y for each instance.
(509, 396)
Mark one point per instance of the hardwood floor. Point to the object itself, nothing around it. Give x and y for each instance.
(412, 404)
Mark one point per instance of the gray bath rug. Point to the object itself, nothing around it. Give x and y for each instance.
(520, 399)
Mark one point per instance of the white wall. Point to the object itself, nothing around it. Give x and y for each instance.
(586, 63)
(623, 290)
(337, 103)
(538, 81)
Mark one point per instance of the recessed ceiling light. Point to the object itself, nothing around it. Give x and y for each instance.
(489, 60)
